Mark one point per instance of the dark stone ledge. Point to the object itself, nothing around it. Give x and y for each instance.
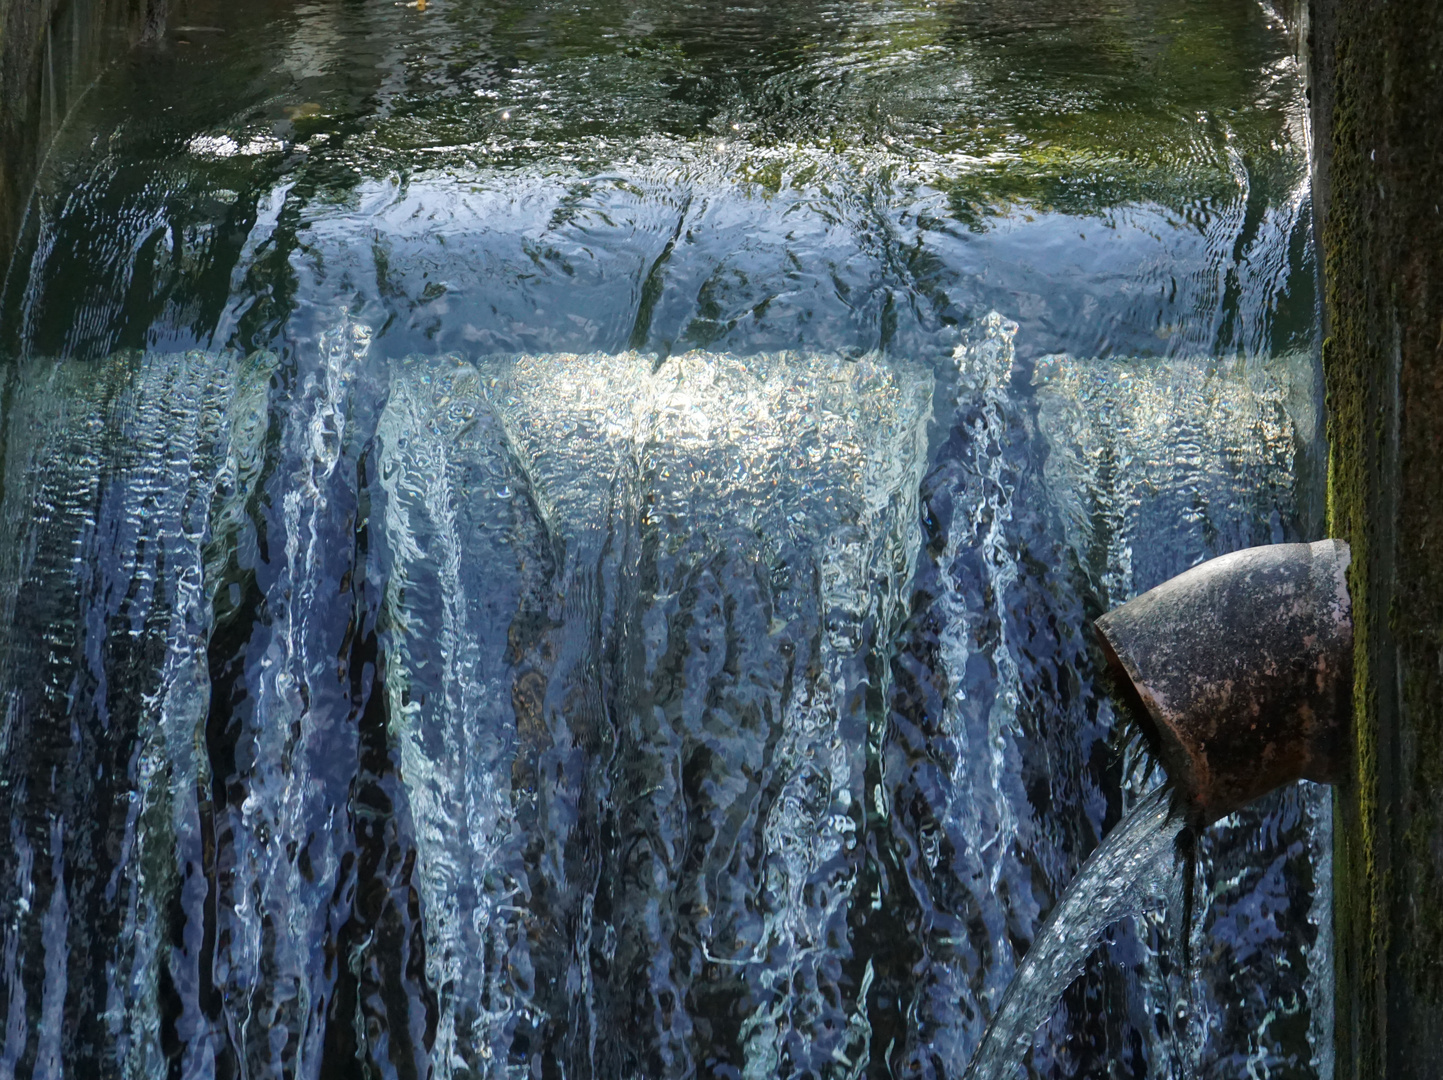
(50, 53)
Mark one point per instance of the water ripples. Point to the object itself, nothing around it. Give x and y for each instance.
(535, 558)
(525, 711)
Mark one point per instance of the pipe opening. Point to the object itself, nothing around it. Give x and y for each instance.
(1238, 672)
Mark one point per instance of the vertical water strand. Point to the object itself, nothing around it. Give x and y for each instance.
(577, 423)
(985, 369)
(302, 696)
(426, 749)
(706, 670)
(976, 569)
(281, 843)
(854, 507)
(999, 749)
(586, 650)
(177, 424)
(468, 555)
(1319, 984)
(133, 442)
(230, 544)
(51, 487)
(1096, 502)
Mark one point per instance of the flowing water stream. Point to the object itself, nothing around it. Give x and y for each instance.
(558, 539)
(1136, 865)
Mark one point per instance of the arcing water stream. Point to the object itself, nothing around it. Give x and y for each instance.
(529, 549)
(1136, 865)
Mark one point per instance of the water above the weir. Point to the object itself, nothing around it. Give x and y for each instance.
(558, 540)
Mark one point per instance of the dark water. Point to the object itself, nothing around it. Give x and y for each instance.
(555, 539)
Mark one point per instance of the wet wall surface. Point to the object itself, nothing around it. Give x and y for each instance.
(559, 539)
(51, 53)
(1380, 164)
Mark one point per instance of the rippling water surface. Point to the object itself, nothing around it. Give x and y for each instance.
(558, 539)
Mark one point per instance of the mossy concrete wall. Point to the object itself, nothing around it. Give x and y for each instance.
(1377, 84)
(50, 52)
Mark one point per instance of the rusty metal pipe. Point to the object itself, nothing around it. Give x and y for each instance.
(1240, 671)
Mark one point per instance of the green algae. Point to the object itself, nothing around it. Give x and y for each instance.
(1381, 164)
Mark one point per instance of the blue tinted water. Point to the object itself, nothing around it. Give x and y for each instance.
(557, 539)
(1137, 866)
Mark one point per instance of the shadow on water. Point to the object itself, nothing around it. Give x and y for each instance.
(555, 539)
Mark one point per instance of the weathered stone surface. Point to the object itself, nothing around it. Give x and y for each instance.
(1378, 194)
(1243, 668)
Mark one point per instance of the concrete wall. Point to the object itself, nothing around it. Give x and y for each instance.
(1378, 134)
(50, 52)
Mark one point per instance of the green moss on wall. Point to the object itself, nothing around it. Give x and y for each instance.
(1378, 113)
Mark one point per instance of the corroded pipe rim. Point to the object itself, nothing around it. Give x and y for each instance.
(1239, 672)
